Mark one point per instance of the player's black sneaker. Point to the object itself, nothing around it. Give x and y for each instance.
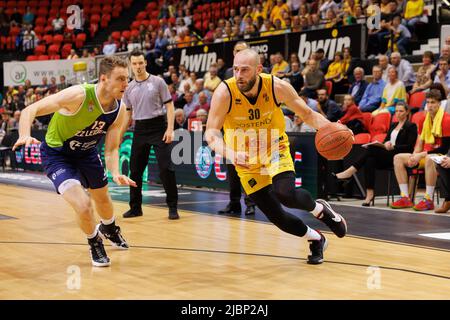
(317, 247)
(173, 214)
(133, 213)
(332, 219)
(98, 253)
(112, 233)
(231, 208)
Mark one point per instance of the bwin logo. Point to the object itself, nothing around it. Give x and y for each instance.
(197, 62)
(329, 46)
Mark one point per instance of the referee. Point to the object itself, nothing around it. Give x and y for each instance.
(148, 98)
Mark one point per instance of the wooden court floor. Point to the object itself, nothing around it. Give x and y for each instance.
(201, 256)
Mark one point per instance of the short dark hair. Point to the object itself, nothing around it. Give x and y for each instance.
(434, 94)
(438, 86)
(109, 63)
(403, 104)
(320, 50)
(429, 54)
(136, 53)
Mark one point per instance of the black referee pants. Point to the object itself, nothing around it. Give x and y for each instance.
(149, 133)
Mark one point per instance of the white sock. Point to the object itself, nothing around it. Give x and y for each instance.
(108, 222)
(404, 189)
(317, 210)
(311, 234)
(429, 192)
(93, 235)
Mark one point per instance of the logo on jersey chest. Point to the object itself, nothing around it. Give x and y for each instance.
(266, 97)
(91, 107)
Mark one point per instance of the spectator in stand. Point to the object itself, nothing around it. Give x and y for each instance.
(209, 36)
(336, 74)
(399, 37)
(443, 75)
(190, 104)
(134, 44)
(359, 86)
(30, 97)
(434, 139)
(72, 55)
(211, 78)
(221, 69)
(180, 120)
(383, 62)
(202, 115)
(371, 98)
(327, 5)
(15, 120)
(280, 66)
(404, 69)
(301, 126)
(323, 61)
(202, 104)
(295, 76)
(313, 104)
(85, 54)
(43, 88)
(95, 52)
(29, 39)
(58, 24)
(414, 14)
(393, 92)
(352, 117)
(16, 17)
(314, 79)
(423, 75)
(28, 17)
(109, 47)
(123, 45)
(327, 107)
(53, 87)
(62, 83)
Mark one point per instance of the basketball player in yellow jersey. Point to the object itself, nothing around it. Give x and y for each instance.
(247, 107)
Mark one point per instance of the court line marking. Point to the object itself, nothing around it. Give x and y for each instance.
(241, 253)
(264, 222)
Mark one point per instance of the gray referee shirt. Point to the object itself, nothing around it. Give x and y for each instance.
(147, 98)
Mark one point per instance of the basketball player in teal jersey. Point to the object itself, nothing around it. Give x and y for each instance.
(83, 114)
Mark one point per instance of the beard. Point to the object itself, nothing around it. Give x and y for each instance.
(248, 86)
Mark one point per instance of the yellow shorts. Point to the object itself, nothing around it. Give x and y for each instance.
(254, 179)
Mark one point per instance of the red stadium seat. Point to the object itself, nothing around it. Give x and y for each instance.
(106, 18)
(43, 11)
(418, 118)
(126, 34)
(329, 85)
(380, 123)
(43, 57)
(48, 38)
(32, 58)
(80, 40)
(107, 9)
(416, 100)
(96, 10)
(53, 49)
(115, 35)
(55, 57)
(127, 3)
(135, 25)
(40, 21)
(142, 15)
(40, 49)
(58, 39)
(95, 19)
(379, 137)
(367, 119)
(117, 9)
(362, 138)
(65, 51)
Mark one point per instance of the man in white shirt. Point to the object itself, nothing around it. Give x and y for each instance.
(404, 69)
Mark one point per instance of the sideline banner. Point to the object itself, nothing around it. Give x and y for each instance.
(15, 73)
(195, 164)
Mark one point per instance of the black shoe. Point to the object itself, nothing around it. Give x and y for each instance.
(250, 210)
(317, 247)
(332, 219)
(112, 233)
(344, 182)
(173, 214)
(133, 213)
(370, 203)
(98, 253)
(231, 209)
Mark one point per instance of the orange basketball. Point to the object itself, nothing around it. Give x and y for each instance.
(334, 141)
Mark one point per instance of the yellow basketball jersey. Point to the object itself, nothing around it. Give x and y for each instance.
(255, 126)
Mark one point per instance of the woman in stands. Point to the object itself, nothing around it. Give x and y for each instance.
(353, 117)
(393, 92)
(400, 138)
